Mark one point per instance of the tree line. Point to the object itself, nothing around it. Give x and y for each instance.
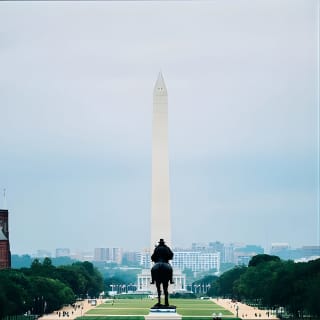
(272, 283)
(43, 288)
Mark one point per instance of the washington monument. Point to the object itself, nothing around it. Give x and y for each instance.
(160, 202)
(160, 198)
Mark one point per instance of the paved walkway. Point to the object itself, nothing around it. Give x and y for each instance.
(244, 311)
(69, 312)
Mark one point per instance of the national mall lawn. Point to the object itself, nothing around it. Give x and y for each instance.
(136, 309)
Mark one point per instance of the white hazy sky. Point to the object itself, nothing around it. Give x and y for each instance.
(76, 83)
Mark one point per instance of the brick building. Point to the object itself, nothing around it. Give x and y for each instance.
(5, 255)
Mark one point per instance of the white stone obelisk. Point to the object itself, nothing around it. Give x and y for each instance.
(160, 202)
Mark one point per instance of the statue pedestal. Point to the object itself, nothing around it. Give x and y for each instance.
(162, 313)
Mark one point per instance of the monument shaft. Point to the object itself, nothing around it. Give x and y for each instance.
(160, 202)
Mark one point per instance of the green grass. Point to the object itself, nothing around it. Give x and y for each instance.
(198, 307)
(136, 309)
(203, 318)
(113, 318)
(142, 318)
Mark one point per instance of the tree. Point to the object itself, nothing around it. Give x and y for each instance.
(256, 283)
(312, 295)
(75, 280)
(49, 294)
(44, 288)
(226, 282)
(14, 292)
(262, 258)
(93, 278)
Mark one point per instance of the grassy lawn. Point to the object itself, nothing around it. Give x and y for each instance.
(113, 318)
(135, 309)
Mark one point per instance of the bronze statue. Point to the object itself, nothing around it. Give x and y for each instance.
(161, 272)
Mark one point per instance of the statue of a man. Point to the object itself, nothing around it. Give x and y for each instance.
(162, 253)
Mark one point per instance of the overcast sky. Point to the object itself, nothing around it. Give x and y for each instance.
(76, 84)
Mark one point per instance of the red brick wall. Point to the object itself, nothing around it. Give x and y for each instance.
(4, 255)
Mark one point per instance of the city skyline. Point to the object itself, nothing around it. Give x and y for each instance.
(43, 252)
(76, 111)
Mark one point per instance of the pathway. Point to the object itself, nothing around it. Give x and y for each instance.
(244, 311)
(69, 312)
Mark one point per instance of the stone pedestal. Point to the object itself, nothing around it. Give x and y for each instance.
(163, 314)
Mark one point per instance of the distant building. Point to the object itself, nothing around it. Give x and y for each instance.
(130, 258)
(101, 254)
(228, 256)
(42, 254)
(62, 252)
(217, 246)
(5, 255)
(279, 247)
(309, 251)
(144, 259)
(82, 256)
(197, 261)
(143, 282)
(108, 255)
(243, 255)
(282, 250)
(199, 246)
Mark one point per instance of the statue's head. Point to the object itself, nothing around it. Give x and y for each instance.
(161, 242)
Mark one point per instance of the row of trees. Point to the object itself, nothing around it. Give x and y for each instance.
(273, 283)
(43, 288)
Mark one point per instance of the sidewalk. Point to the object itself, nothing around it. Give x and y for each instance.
(70, 312)
(244, 311)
